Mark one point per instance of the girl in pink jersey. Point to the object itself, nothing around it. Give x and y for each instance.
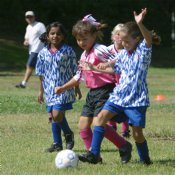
(115, 48)
(100, 85)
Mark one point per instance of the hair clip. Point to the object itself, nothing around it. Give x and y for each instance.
(92, 20)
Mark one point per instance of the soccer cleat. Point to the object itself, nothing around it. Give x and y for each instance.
(146, 162)
(20, 85)
(54, 147)
(126, 134)
(125, 152)
(69, 140)
(90, 158)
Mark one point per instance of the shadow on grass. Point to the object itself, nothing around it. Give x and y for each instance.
(102, 150)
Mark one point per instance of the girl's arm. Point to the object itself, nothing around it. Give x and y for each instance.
(145, 32)
(41, 91)
(106, 68)
(68, 85)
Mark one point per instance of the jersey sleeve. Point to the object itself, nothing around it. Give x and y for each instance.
(104, 53)
(145, 52)
(39, 70)
(73, 63)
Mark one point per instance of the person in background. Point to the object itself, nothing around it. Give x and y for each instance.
(55, 66)
(34, 30)
(115, 48)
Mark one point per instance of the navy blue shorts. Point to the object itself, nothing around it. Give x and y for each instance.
(136, 115)
(32, 60)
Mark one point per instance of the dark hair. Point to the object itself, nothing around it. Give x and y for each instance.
(43, 37)
(84, 27)
(132, 29)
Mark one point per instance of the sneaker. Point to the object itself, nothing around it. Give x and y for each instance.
(54, 147)
(125, 152)
(126, 134)
(90, 158)
(69, 140)
(20, 85)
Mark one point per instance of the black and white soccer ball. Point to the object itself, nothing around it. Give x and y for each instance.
(66, 159)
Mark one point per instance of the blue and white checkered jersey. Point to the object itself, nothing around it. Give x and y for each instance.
(57, 69)
(132, 89)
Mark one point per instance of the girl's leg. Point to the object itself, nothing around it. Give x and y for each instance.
(141, 144)
(59, 117)
(113, 124)
(56, 132)
(85, 131)
(114, 137)
(98, 135)
(125, 129)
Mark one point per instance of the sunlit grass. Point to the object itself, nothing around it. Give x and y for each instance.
(25, 132)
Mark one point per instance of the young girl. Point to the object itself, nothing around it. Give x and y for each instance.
(131, 94)
(115, 48)
(56, 65)
(86, 32)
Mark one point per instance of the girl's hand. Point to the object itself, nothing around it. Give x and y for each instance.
(139, 18)
(86, 65)
(58, 90)
(40, 98)
(103, 66)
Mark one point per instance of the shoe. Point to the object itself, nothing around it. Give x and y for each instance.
(125, 152)
(126, 134)
(54, 147)
(69, 140)
(146, 162)
(20, 85)
(90, 158)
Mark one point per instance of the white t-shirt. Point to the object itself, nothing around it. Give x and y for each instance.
(33, 32)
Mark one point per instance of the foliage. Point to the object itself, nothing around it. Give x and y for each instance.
(12, 24)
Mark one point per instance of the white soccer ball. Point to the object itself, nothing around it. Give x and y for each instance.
(66, 159)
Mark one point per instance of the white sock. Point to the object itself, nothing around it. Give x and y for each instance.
(24, 83)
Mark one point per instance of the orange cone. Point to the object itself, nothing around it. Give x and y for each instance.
(160, 97)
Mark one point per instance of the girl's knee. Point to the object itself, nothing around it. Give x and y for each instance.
(138, 134)
(84, 123)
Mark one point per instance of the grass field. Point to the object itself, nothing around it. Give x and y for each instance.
(25, 132)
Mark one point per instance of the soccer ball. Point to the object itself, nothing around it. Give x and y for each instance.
(66, 159)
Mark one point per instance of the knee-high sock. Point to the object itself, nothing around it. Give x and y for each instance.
(86, 135)
(113, 124)
(142, 149)
(114, 137)
(125, 126)
(65, 126)
(56, 132)
(98, 135)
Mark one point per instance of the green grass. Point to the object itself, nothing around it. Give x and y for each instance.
(25, 132)
(13, 55)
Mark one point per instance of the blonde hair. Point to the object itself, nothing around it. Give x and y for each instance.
(116, 30)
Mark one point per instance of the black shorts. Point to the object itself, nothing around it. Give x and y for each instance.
(32, 60)
(96, 99)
